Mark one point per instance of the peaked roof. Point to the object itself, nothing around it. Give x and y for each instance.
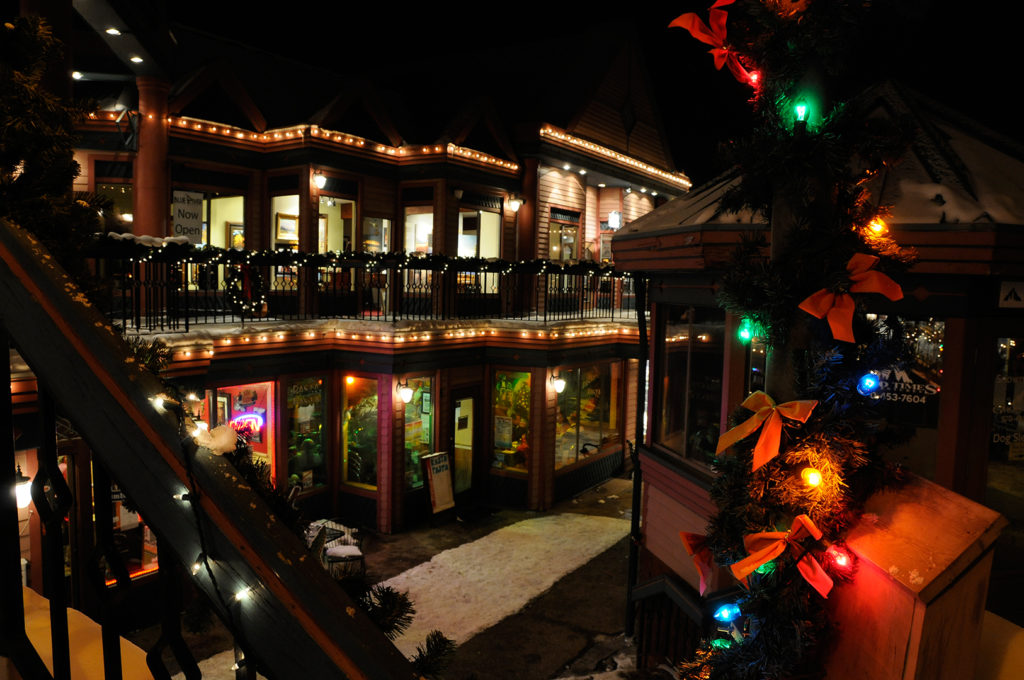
(956, 176)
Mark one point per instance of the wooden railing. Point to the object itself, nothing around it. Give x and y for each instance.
(292, 620)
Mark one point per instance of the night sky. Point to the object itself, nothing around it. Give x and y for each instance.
(963, 58)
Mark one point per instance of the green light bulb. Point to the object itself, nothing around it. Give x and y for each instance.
(721, 643)
(766, 568)
(801, 112)
(745, 331)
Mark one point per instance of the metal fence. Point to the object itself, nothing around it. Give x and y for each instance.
(174, 287)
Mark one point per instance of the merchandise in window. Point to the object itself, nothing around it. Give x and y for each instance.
(511, 421)
(359, 432)
(252, 405)
(307, 465)
(587, 413)
(418, 430)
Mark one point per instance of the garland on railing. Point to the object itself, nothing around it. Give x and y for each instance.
(172, 251)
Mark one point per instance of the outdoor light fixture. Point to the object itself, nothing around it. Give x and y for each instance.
(405, 392)
(112, 31)
(136, 59)
(22, 488)
(515, 202)
(458, 194)
(319, 179)
(197, 565)
(559, 382)
(243, 594)
(77, 75)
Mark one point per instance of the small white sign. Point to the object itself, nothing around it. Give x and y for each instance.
(1011, 294)
(188, 215)
(439, 477)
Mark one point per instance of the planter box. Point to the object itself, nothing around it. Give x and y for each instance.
(915, 608)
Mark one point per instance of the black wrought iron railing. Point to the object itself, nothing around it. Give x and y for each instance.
(174, 286)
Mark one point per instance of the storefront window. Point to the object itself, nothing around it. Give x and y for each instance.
(910, 394)
(307, 465)
(376, 235)
(224, 217)
(511, 421)
(689, 386)
(588, 412)
(121, 196)
(252, 404)
(418, 430)
(336, 230)
(419, 229)
(134, 540)
(564, 233)
(479, 233)
(359, 432)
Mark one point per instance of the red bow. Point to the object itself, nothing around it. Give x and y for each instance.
(766, 546)
(697, 548)
(838, 307)
(764, 409)
(714, 35)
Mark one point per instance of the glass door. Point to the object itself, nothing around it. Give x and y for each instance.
(464, 443)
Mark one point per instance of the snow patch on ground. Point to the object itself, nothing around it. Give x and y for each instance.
(467, 589)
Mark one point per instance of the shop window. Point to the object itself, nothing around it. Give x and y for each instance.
(307, 465)
(284, 211)
(418, 430)
(564, 234)
(376, 235)
(511, 421)
(133, 539)
(336, 225)
(419, 229)
(909, 395)
(479, 233)
(588, 412)
(689, 380)
(121, 195)
(252, 404)
(359, 432)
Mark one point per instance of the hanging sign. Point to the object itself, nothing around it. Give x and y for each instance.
(439, 477)
(188, 215)
(1011, 294)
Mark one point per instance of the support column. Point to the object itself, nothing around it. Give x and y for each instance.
(152, 173)
(526, 218)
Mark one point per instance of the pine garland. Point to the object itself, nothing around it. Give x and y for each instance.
(811, 175)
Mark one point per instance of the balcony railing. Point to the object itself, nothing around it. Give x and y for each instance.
(175, 286)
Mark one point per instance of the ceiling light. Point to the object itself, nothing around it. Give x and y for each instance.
(113, 31)
(77, 75)
(136, 59)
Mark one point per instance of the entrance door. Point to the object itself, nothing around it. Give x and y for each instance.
(465, 444)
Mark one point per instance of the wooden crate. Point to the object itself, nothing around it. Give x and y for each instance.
(914, 609)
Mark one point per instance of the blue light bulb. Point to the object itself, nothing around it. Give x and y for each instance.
(868, 384)
(727, 612)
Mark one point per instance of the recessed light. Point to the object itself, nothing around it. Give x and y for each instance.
(565, 167)
(77, 75)
(602, 185)
(582, 171)
(136, 59)
(113, 31)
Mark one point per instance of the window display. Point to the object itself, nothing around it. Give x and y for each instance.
(251, 404)
(418, 430)
(588, 412)
(511, 421)
(307, 466)
(135, 541)
(359, 432)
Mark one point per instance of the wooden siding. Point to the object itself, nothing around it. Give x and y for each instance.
(559, 189)
(629, 415)
(664, 518)
(591, 227)
(636, 205)
(690, 250)
(609, 199)
(380, 198)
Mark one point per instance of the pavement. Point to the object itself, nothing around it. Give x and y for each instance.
(573, 630)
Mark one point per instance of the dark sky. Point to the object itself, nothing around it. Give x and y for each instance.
(965, 59)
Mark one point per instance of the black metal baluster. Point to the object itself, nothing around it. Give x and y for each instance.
(170, 624)
(110, 599)
(53, 500)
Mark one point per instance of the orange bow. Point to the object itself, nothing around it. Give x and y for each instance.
(697, 548)
(839, 306)
(764, 408)
(714, 35)
(766, 546)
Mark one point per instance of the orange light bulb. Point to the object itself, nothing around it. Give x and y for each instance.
(811, 476)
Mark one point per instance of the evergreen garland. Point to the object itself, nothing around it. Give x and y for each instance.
(808, 174)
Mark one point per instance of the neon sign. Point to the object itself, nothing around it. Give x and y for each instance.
(253, 421)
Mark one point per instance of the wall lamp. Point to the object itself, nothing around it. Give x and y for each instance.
(22, 489)
(515, 202)
(558, 382)
(404, 391)
(319, 179)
